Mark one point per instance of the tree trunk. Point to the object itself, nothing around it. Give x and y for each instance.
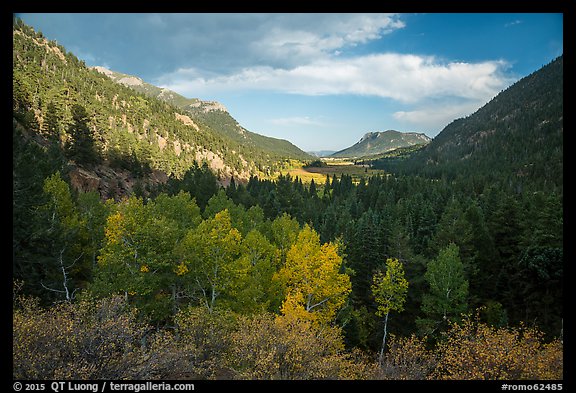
(383, 339)
(174, 305)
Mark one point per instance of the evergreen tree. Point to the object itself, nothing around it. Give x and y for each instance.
(51, 125)
(81, 146)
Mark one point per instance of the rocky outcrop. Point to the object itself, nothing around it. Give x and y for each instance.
(208, 106)
(104, 71)
(186, 120)
(84, 181)
(131, 81)
(111, 183)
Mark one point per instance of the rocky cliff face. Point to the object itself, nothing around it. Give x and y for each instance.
(111, 183)
(208, 106)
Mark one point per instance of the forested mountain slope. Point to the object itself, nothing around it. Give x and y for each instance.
(102, 125)
(271, 279)
(516, 138)
(211, 113)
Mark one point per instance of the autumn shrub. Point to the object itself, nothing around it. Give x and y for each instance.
(474, 350)
(407, 358)
(89, 339)
(84, 340)
(202, 339)
(283, 348)
(103, 339)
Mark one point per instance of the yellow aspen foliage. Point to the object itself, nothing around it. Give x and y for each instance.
(474, 350)
(314, 287)
(181, 269)
(293, 309)
(114, 228)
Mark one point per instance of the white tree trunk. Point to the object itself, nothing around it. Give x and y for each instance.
(383, 339)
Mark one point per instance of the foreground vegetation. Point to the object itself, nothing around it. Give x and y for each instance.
(104, 339)
(161, 288)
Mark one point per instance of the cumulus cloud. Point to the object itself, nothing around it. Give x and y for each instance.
(222, 42)
(401, 77)
(307, 54)
(225, 43)
(433, 118)
(288, 40)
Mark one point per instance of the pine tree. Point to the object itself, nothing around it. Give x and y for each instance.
(81, 146)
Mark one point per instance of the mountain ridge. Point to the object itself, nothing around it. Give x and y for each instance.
(517, 135)
(378, 142)
(128, 129)
(212, 113)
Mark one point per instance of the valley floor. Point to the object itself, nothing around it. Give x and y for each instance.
(333, 167)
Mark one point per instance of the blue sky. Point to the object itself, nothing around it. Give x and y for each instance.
(320, 81)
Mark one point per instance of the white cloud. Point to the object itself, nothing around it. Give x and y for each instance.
(226, 43)
(296, 121)
(434, 118)
(400, 77)
(307, 54)
(298, 39)
(514, 22)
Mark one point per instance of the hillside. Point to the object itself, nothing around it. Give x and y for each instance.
(373, 143)
(58, 99)
(517, 137)
(211, 113)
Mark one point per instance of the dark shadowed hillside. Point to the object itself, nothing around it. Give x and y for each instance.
(517, 137)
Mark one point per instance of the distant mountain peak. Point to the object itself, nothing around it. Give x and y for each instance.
(123, 79)
(369, 135)
(377, 142)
